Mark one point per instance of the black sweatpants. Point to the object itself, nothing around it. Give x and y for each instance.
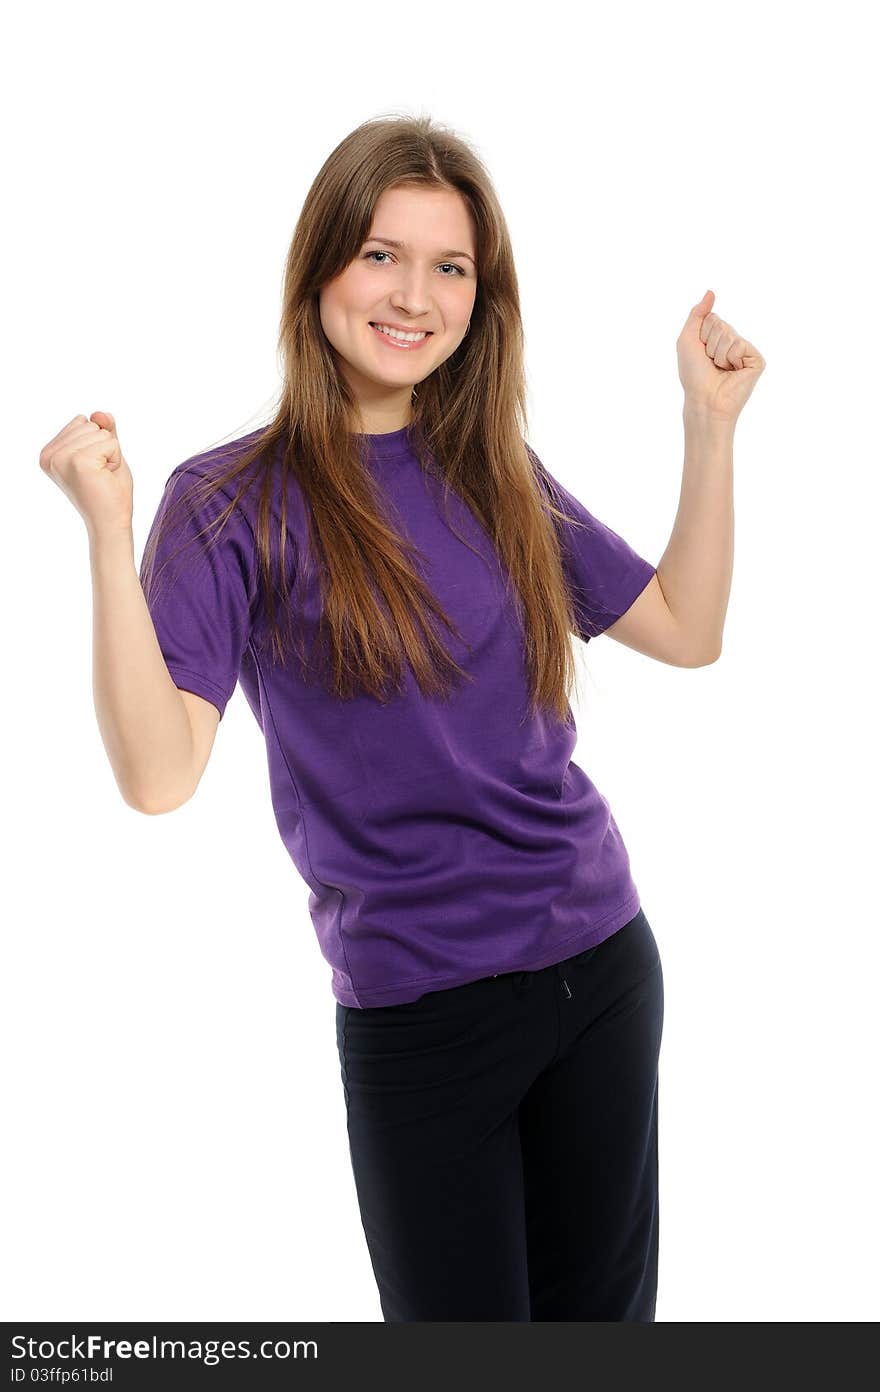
(503, 1140)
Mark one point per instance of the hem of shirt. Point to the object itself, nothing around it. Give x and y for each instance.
(201, 686)
(641, 578)
(580, 942)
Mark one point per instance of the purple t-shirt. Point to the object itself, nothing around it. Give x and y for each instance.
(441, 841)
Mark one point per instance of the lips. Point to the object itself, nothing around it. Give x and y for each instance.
(374, 324)
(397, 344)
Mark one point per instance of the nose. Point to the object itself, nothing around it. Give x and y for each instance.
(411, 295)
(408, 308)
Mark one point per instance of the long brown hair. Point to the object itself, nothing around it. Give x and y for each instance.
(469, 415)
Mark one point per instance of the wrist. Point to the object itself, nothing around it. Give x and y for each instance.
(111, 543)
(698, 418)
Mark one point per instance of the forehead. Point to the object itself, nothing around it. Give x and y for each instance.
(429, 216)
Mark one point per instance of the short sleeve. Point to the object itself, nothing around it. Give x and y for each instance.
(604, 573)
(200, 589)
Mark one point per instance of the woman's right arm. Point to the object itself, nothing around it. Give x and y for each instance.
(156, 753)
(142, 716)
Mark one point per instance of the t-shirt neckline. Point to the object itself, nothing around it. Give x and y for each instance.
(393, 444)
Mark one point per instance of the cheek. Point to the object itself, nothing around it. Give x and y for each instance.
(463, 306)
(337, 307)
(345, 293)
(353, 290)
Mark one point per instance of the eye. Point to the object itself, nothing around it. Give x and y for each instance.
(456, 268)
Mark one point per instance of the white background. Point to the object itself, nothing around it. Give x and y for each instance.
(177, 1145)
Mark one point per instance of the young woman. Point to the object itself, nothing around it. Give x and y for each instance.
(393, 577)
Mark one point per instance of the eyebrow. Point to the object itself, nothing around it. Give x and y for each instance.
(389, 241)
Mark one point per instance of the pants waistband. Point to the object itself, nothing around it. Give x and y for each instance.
(524, 979)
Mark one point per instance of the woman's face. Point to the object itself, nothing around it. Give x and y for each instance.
(427, 283)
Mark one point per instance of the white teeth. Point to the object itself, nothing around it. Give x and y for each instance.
(396, 333)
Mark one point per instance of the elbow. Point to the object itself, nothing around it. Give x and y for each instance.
(707, 661)
(699, 657)
(153, 806)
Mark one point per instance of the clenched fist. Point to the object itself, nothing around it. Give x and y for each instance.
(87, 463)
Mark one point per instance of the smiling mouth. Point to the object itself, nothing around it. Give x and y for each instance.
(402, 344)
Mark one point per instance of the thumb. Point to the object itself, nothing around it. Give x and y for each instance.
(105, 421)
(700, 310)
